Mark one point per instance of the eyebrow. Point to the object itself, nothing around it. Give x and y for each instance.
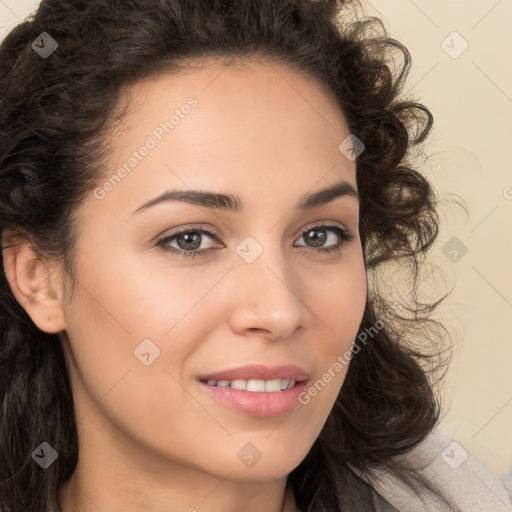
(229, 202)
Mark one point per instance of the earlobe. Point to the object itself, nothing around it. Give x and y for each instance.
(36, 284)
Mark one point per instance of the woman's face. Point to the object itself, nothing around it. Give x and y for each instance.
(147, 323)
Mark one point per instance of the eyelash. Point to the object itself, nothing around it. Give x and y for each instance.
(344, 234)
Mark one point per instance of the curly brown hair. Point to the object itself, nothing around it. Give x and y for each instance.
(55, 117)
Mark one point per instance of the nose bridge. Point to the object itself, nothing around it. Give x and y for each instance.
(268, 294)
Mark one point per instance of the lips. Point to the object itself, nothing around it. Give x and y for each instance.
(259, 372)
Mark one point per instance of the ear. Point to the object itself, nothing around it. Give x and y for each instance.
(35, 282)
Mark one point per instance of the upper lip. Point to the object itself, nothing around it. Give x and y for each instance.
(259, 372)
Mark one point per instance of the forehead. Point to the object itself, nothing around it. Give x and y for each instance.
(244, 90)
(254, 129)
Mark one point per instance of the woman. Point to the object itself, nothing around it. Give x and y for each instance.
(192, 195)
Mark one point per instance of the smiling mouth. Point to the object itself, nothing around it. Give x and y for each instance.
(257, 397)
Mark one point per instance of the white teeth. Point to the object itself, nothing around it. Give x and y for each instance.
(238, 384)
(255, 385)
(273, 385)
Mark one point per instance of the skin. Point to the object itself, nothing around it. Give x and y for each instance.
(150, 438)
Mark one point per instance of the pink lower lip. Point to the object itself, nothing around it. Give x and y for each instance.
(261, 404)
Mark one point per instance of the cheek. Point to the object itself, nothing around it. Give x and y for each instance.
(339, 305)
(153, 300)
(125, 315)
(136, 300)
(110, 381)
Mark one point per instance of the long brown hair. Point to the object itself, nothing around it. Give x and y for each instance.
(55, 115)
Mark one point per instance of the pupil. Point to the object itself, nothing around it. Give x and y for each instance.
(318, 240)
(185, 236)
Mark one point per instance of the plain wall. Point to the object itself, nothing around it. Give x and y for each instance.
(470, 96)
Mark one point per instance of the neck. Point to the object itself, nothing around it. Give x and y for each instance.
(115, 475)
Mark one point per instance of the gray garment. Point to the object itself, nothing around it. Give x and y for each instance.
(381, 504)
(506, 478)
(467, 482)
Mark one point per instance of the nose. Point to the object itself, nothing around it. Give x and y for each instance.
(266, 297)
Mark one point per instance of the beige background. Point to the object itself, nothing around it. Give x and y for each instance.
(471, 99)
(470, 95)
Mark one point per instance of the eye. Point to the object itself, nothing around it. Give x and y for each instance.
(189, 240)
(319, 237)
